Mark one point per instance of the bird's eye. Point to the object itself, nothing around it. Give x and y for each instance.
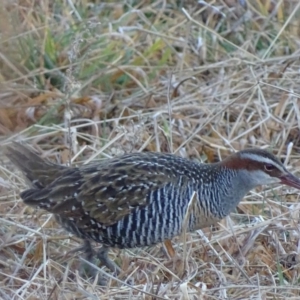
(269, 167)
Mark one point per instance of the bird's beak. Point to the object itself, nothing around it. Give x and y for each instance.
(290, 180)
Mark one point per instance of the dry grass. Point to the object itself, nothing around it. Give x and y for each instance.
(80, 80)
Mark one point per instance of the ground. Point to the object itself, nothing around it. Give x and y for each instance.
(81, 80)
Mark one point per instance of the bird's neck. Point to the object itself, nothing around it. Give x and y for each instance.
(230, 187)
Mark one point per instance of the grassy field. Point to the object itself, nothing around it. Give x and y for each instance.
(82, 79)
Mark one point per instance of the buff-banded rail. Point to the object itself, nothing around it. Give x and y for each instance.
(141, 199)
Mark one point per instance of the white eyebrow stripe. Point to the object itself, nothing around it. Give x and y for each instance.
(262, 159)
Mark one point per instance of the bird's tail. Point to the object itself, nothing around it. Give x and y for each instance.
(38, 171)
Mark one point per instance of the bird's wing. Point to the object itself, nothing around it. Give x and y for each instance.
(110, 194)
(105, 192)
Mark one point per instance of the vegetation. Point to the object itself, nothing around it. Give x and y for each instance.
(82, 79)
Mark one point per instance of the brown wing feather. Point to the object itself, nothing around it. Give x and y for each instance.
(105, 191)
(116, 189)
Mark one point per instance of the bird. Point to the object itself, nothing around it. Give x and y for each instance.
(142, 199)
